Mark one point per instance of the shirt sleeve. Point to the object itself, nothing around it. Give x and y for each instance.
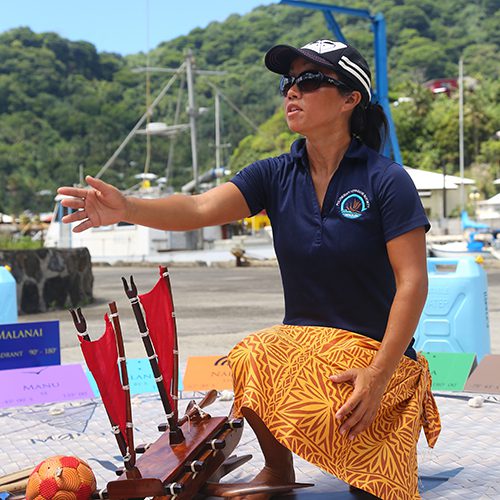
(400, 206)
(254, 182)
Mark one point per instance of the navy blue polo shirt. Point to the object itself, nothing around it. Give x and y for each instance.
(334, 263)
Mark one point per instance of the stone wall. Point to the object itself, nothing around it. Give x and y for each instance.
(50, 278)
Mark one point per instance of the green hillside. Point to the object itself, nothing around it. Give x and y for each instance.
(64, 106)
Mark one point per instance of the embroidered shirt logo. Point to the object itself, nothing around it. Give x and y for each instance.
(353, 203)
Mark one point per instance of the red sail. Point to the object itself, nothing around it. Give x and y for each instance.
(158, 308)
(101, 356)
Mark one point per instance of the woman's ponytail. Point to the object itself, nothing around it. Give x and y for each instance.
(370, 125)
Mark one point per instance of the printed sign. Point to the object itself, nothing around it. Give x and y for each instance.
(140, 377)
(46, 384)
(29, 344)
(450, 370)
(486, 377)
(207, 372)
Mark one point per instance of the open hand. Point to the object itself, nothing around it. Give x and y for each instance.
(101, 205)
(359, 411)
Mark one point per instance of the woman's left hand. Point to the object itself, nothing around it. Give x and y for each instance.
(359, 411)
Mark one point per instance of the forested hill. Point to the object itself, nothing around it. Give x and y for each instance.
(64, 106)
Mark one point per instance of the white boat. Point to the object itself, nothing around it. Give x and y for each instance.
(124, 242)
(458, 249)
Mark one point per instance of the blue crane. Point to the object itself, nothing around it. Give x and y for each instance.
(381, 90)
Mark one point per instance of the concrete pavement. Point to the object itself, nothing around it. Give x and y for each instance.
(216, 306)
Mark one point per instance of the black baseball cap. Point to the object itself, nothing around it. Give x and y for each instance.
(338, 56)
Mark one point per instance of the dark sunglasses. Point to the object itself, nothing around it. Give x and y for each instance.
(309, 81)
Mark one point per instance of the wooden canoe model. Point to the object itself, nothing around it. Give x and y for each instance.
(193, 452)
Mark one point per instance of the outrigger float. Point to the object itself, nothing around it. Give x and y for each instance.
(193, 452)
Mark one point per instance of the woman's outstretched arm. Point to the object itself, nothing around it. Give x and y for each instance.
(103, 204)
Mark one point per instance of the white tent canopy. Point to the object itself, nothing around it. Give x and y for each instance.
(495, 200)
(428, 181)
(489, 210)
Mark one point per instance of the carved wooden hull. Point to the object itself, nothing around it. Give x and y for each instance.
(165, 470)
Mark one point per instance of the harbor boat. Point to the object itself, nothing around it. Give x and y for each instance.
(480, 241)
(458, 249)
(118, 242)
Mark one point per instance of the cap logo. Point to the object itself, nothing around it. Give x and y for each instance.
(324, 46)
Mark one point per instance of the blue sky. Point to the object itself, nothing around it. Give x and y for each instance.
(122, 26)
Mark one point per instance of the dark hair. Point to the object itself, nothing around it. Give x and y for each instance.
(370, 125)
(368, 122)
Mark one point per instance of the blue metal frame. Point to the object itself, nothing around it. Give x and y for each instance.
(381, 90)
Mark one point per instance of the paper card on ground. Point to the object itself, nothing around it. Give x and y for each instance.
(29, 344)
(140, 377)
(486, 377)
(450, 370)
(44, 384)
(207, 372)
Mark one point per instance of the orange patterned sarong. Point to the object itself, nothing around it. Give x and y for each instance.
(282, 374)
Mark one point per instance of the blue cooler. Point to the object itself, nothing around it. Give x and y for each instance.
(455, 316)
(8, 297)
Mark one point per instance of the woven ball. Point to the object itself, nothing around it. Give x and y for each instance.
(61, 478)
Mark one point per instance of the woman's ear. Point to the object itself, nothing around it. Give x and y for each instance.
(352, 100)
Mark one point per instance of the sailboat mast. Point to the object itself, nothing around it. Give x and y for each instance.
(217, 130)
(192, 117)
(173, 138)
(136, 127)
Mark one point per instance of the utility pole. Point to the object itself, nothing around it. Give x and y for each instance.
(445, 221)
(80, 174)
(461, 129)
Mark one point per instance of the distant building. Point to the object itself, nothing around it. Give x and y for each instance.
(442, 85)
(433, 186)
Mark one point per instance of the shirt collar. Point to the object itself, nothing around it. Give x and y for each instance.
(298, 150)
